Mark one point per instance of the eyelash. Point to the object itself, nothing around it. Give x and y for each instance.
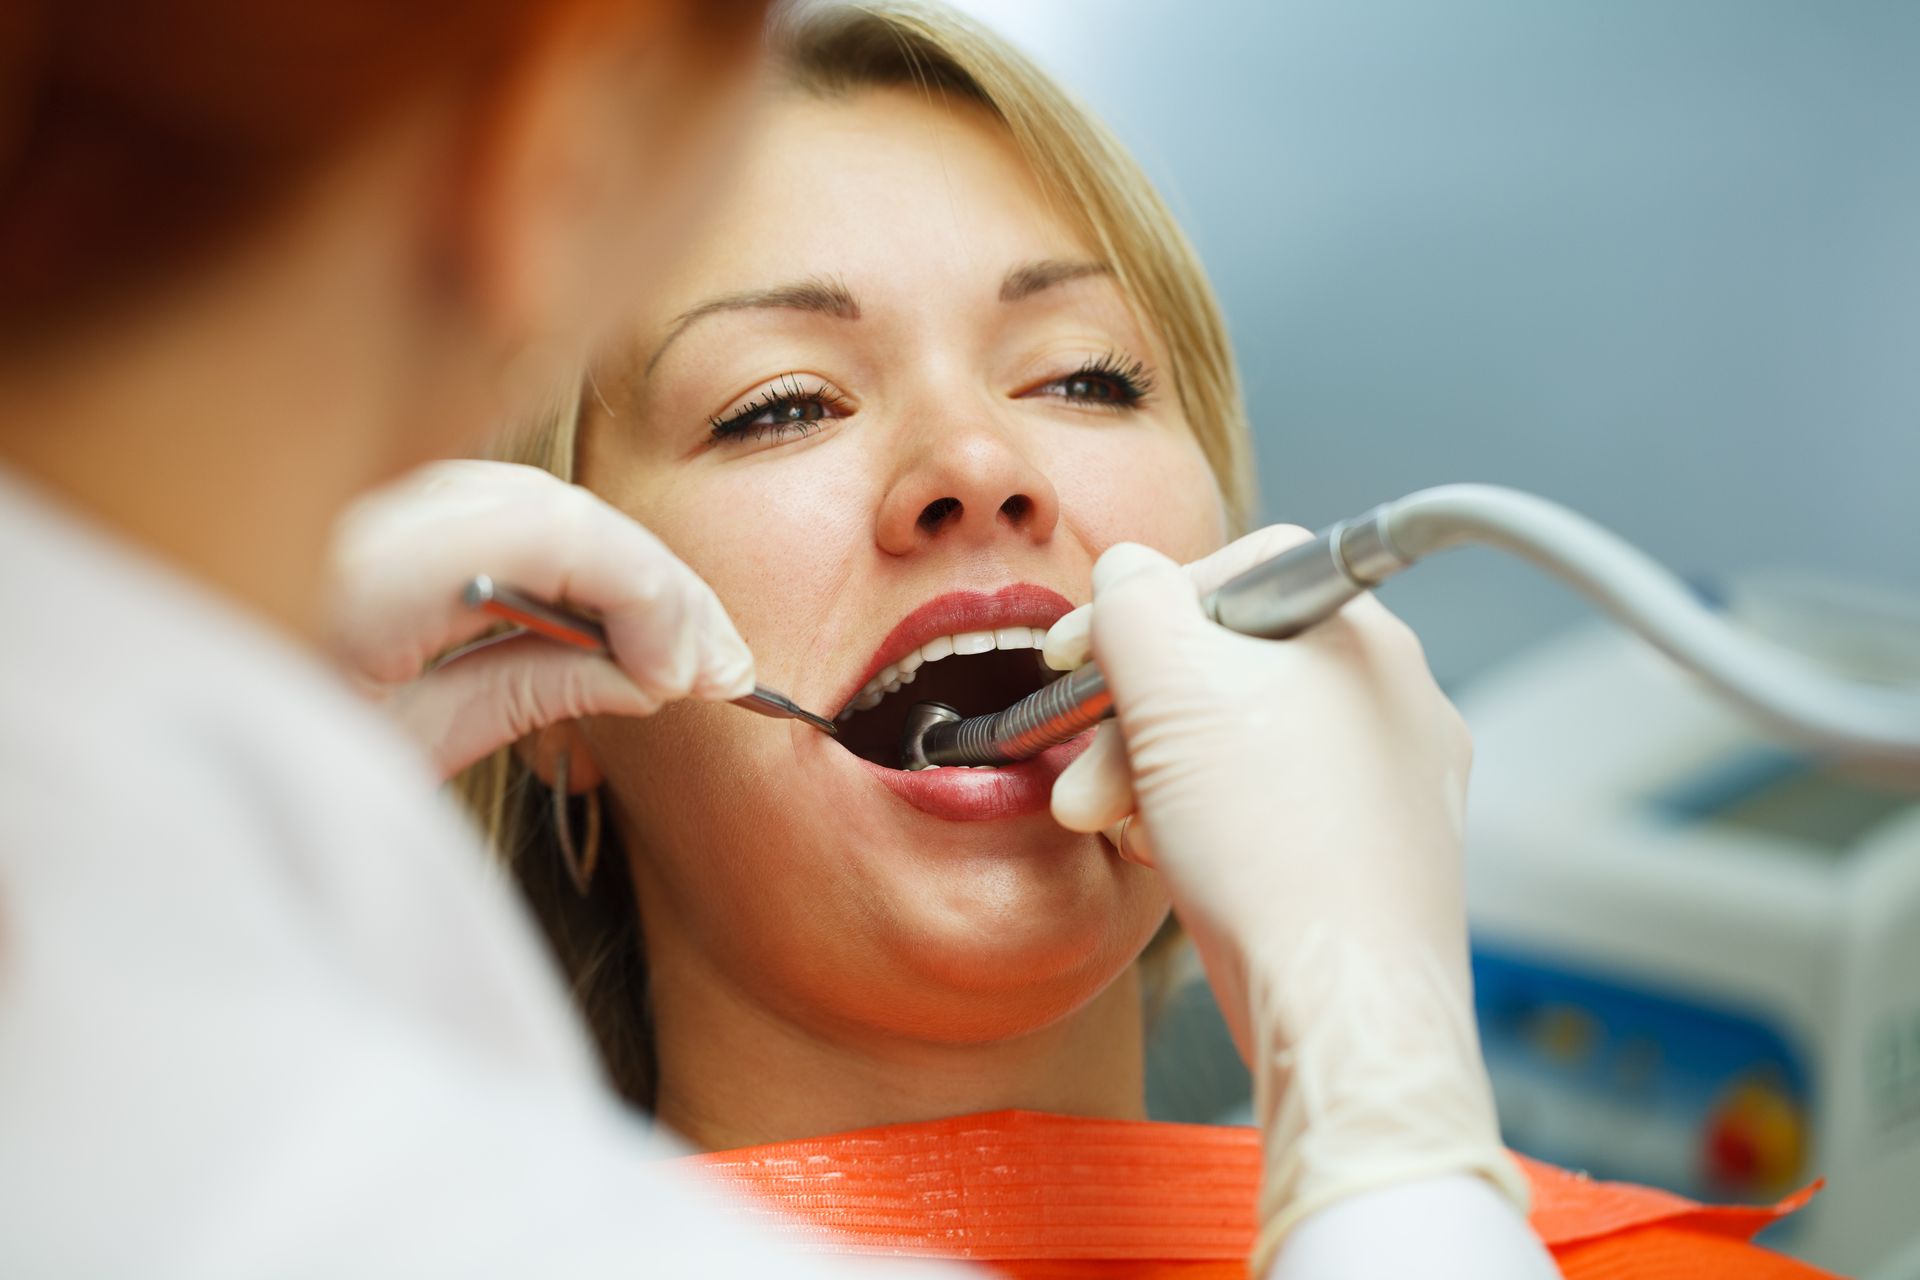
(1130, 380)
(785, 395)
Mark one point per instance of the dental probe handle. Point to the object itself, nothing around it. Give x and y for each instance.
(512, 605)
(1788, 692)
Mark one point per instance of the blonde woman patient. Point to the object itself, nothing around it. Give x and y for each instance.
(938, 347)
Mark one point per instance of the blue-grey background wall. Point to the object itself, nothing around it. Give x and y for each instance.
(1659, 259)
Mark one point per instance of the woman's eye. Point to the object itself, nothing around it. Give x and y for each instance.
(1100, 389)
(786, 409)
(780, 415)
(1109, 382)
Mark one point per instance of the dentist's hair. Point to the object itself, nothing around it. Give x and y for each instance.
(1096, 188)
(142, 141)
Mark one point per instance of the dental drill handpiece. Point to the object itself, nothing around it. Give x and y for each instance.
(1786, 692)
(1275, 599)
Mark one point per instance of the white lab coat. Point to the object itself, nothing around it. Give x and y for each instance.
(264, 1011)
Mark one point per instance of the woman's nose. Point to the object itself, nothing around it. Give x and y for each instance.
(967, 484)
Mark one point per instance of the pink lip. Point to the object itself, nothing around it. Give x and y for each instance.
(1023, 604)
(981, 795)
(970, 795)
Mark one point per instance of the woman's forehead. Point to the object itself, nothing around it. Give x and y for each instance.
(882, 190)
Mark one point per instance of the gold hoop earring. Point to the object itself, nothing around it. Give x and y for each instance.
(579, 868)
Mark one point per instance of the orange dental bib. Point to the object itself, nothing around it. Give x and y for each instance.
(1039, 1196)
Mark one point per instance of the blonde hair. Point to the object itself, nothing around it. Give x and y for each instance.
(1096, 188)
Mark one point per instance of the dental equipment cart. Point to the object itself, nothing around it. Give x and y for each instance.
(1697, 955)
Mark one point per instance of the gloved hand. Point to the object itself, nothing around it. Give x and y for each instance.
(403, 554)
(1303, 801)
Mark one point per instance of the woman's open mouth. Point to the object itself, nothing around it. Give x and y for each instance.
(974, 672)
(978, 653)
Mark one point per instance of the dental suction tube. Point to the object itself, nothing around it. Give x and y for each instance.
(1785, 691)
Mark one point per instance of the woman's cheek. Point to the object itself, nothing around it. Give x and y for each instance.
(774, 535)
(1153, 488)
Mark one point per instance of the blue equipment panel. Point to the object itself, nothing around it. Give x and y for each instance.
(1638, 1085)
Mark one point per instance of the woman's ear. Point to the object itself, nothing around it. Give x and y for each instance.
(541, 753)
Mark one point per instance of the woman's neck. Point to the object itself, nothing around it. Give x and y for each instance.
(731, 1073)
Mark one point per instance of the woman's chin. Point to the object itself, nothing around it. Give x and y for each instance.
(874, 912)
(990, 915)
(981, 1014)
(1001, 972)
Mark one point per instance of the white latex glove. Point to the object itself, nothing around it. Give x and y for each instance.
(1303, 801)
(403, 554)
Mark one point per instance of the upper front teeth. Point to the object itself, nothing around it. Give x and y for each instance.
(902, 672)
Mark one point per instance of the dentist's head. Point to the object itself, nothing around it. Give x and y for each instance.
(256, 257)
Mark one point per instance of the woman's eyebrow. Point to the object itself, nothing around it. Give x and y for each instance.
(821, 296)
(1030, 278)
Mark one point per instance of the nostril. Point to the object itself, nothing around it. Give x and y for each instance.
(936, 512)
(1016, 509)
